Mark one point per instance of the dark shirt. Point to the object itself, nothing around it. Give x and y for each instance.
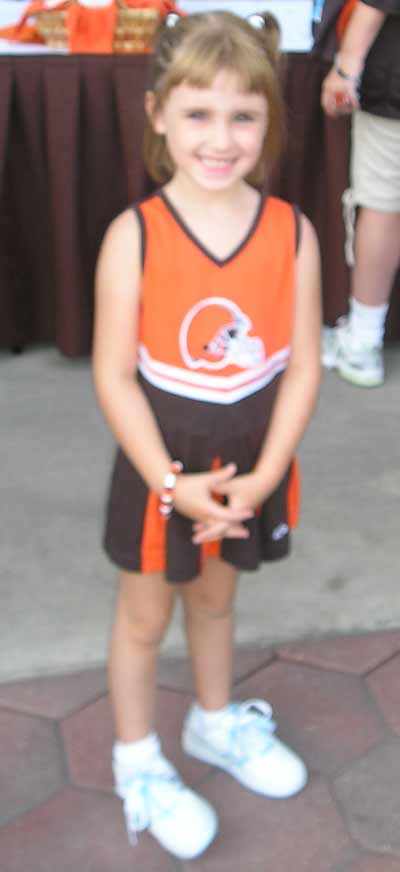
(391, 7)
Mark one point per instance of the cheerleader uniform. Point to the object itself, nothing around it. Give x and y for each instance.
(214, 340)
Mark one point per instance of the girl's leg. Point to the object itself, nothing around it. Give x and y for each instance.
(154, 797)
(143, 612)
(208, 609)
(238, 738)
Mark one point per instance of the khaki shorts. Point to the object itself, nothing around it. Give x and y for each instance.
(374, 171)
(375, 162)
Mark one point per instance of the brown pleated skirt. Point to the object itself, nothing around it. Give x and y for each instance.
(203, 436)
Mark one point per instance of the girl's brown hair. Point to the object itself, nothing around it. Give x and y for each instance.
(194, 51)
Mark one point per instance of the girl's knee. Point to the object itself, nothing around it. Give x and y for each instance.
(145, 613)
(213, 593)
(147, 628)
(209, 604)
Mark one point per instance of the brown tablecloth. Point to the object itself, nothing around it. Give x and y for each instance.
(70, 160)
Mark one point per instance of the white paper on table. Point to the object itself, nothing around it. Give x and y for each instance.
(294, 16)
(9, 47)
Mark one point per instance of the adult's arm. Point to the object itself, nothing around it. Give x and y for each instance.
(340, 87)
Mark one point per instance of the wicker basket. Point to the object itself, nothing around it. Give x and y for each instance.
(134, 28)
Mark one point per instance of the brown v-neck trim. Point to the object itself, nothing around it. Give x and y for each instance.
(188, 232)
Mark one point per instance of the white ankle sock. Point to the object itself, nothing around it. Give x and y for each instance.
(130, 754)
(367, 323)
(207, 719)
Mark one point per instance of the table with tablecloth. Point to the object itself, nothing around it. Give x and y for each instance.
(71, 159)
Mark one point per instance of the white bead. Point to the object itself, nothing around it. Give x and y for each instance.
(170, 481)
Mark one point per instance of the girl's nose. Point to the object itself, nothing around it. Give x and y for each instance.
(221, 135)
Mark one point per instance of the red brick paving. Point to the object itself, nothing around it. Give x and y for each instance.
(338, 703)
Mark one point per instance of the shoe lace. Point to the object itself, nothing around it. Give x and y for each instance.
(149, 795)
(251, 729)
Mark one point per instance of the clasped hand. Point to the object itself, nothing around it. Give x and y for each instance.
(196, 496)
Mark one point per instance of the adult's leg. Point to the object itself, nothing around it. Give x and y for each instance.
(143, 612)
(377, 256)
(208, 609)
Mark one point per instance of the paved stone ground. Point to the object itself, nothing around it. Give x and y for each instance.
(338, 704)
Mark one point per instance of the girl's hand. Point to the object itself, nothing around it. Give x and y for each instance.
(244, 491)
(193, 497)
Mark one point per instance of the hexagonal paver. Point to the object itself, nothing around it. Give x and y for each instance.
(354, 654)
(327, 717)
(78, 830)
(88, 737)
(384, 685)
(55, 696)
(257, 834)
(31, 762)
(369, 794)
(175, 672)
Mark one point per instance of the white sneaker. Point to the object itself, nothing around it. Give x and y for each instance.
(355, 361)
(243, 743)
(157, 800)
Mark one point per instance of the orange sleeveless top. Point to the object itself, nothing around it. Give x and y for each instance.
(215, 330)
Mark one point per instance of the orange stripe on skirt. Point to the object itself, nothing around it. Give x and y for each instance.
(153, 557)
(212, 549)
(293, 495)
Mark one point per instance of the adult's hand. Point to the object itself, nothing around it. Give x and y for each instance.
(338, 95)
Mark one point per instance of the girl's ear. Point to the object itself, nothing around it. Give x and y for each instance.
(154, 118)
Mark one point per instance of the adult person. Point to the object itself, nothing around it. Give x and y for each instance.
(365, 80)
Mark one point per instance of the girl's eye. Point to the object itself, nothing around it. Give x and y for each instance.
(197, 114)
(244, 116)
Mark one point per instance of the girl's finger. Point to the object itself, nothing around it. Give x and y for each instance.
(222, 487)
(228, 514)
(224, 474)
(209, 534)
(237, 532)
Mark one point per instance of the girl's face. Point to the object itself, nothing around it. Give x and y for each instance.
(214, 135)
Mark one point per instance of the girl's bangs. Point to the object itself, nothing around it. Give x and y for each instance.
(199, 65)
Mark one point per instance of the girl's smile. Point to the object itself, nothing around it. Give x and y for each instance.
(214, 135)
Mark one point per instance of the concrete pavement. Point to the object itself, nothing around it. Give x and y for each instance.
(57, 589)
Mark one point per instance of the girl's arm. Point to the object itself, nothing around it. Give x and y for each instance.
(117, 294)
(297, 392)
(300, 382)
(118, 280)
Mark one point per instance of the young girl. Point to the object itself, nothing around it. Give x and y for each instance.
(206, 363)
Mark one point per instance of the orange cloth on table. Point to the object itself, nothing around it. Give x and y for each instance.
(163, 6)
(91, 29)
(24, 33)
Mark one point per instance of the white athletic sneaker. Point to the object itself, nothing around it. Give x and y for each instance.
(243, 743)
(355, 361)
(157, 800)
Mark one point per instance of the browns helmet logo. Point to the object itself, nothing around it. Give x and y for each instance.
(215, 333)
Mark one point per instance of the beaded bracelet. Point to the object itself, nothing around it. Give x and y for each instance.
(166, 499)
